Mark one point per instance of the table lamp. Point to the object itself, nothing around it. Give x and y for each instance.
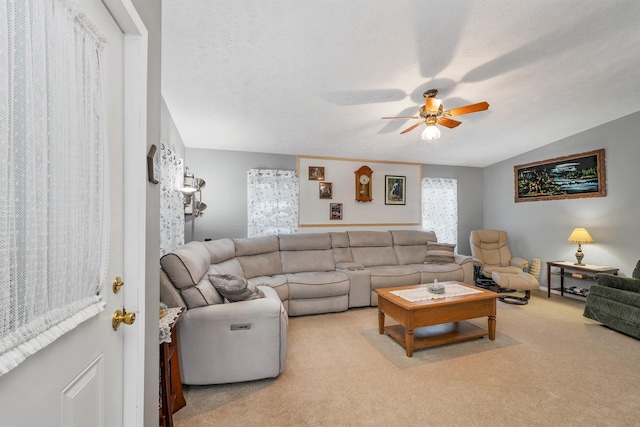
(580, 236)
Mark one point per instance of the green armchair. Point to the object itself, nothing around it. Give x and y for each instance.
(615, 302)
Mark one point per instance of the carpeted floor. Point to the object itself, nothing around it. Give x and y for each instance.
(549, 366)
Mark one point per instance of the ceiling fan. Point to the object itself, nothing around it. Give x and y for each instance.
(431, 114)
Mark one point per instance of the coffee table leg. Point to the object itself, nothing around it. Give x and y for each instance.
(380, 322)
(408, 341)
(492, 328)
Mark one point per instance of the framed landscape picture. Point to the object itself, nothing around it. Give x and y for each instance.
(395, 190)
(568, 177)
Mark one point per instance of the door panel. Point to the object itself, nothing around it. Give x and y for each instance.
(78, 379)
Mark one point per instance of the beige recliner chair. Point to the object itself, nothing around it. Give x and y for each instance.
(496, 269)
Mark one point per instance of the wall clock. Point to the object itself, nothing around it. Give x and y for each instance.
(363, 184)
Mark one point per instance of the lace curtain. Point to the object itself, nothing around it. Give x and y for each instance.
(171, 206)
(440, 208)
(272, 197)
(53, 179)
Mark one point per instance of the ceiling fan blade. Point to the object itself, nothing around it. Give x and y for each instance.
(403, 117)
(432, 104)
(473, 108)
(450, 123)
(411, 127)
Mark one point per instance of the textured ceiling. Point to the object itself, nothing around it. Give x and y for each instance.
(314, 77)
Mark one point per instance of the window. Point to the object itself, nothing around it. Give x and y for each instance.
(272, 197)
(53, 185)
(440, 208)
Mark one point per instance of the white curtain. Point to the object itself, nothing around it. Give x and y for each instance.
(54, 214)
(272, 197)
(171, 205)
(440, 208)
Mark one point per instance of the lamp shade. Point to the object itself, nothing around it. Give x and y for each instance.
(430, 132)
(199, 183)
(580, 235)
(188, 191)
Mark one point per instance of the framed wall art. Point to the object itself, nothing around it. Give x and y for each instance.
(326, 190)
(395, 189)
(335, 211)
(316, 173)
(568, 177)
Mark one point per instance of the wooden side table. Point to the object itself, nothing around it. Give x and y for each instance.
(580, 272)
(171, 396)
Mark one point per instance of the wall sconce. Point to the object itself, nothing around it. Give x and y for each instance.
(192, 192)
(580, 236)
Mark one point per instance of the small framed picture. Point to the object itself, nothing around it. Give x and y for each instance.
(394, 190)
(335, 211)
(316, 173)
(326, 190)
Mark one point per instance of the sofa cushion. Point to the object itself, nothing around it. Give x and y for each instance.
(339, 239)
(412, 237)
(442, 272)
(202, 294)
(256, 245)
(278, 283)
(312, 260)
(304, 241)
(341, 255)
(397, 275)
(186, 265)
(369, 238)
(234, 288)
(440, 253)
(374, 256)
(318, 284)
(220, 250)
(410, 254)
(230, 266)
(410, 246)
(268, 264)
(636, 271)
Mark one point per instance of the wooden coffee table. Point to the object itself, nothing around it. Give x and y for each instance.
(416, 319)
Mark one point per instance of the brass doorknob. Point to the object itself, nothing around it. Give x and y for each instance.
(117, 284)
(122, 317)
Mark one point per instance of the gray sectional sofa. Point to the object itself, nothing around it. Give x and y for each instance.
(300, 274)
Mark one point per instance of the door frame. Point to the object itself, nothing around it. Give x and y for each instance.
(135, 197)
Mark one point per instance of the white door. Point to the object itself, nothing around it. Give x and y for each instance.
(78, 379)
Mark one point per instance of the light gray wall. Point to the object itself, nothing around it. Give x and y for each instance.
(226, 192)
(540, 229)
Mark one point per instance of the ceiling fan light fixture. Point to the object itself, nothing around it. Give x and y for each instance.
(430, 132)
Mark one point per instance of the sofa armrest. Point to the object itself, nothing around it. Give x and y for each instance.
(233, 342)
(349, 265)
(463, 259)
(521, 263)
(613, 281)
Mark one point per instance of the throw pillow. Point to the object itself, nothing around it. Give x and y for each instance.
(234, 288)
(439, 253)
